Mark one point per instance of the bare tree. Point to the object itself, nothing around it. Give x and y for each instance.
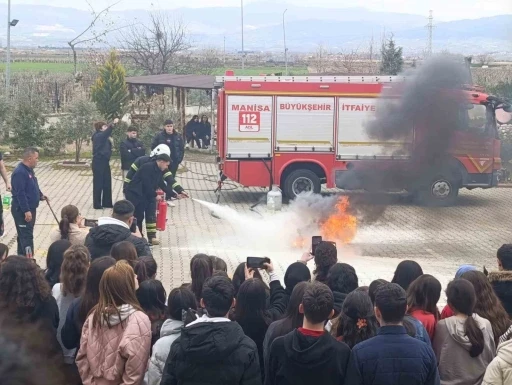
(320, 59)
(156, 48)
(207, 61)
(348, 62)
(89, 34)
(484, 59)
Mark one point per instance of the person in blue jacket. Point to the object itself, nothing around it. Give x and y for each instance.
(26, 196)
(101, 176)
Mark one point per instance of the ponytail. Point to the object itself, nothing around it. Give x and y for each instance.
(475, 336)
(64, 228)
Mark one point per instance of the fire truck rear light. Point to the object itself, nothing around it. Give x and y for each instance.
(324, 86)
(256, 85)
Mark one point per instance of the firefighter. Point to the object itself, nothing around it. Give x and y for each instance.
(166, 182)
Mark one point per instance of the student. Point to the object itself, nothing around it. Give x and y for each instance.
(464, 343)
(145, 268)
(422, 297)
(309, 355)
(326, 256)
(152, 296)
(295, 273)
(72, 284)
(239, 277)
(124, 250)
(172, 139)
(213, 349)
(447, 312)
(71, 227)
(130, 149)
(291, 320)
(80, 307)
(406, 272)
(54, 259)
(201, 268)
(116, 337)
(392, 357)
(356, 322)
(342, 280)
(501, 281)
(206, 131)
(27, 298)
(487, 304)
(101, 153)
(193, 131)
(218, 264)
(499, 371)
(180, 300)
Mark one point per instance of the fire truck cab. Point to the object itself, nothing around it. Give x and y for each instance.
(302, 132)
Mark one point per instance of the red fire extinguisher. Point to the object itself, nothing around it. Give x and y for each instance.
(161, 212)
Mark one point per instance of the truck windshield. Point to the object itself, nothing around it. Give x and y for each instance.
(478, 119)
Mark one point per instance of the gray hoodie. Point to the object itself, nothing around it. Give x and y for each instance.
(170, 331)
(451, 345)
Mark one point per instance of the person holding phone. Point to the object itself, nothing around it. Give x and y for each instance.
(101, 153)
(71, 226)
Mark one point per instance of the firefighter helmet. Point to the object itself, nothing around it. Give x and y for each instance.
(161, 149)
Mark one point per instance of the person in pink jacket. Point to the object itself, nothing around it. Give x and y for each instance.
(116, 337)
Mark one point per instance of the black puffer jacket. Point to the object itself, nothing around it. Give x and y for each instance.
(174, 142)
(100, 240)
(212, 353)
(501, 282)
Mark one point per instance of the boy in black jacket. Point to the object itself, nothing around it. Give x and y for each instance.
(131, 148)
(309, 355)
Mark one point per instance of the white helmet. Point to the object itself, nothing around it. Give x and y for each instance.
(160, 149)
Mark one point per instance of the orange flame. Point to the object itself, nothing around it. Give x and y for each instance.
(341, 226)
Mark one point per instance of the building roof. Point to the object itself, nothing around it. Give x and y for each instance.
(204, 82)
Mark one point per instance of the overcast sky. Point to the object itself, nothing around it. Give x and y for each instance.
(443, 9)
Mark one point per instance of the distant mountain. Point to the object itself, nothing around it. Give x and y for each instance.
(306, 27)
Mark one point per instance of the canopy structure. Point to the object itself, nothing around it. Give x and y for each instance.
(155, 84)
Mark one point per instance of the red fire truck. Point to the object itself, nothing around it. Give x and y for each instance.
(302, 132)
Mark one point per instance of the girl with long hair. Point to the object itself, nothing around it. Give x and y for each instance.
(326, 256)
(80, 307)
(71, 226)
(239, 277)
(219, 264)
(145, 268)
(464, 344)
(54, 259)
(152, 296)
(201, 268)
(406, 272)
(422, 298)
(356, 322)
(292, 319)
(488, 305)
(116, 337)
(73, 275)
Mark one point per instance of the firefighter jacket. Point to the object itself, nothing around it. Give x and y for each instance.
(165, 181)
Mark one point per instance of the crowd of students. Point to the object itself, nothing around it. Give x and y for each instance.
(105, 319)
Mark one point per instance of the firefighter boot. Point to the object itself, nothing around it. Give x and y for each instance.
(153, 241)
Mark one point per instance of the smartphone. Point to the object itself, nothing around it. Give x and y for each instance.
(90, 222)
(315, 241)
(133, 227)
(256, 262)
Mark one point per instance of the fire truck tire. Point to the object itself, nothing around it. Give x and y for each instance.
(441, 191)
(301, 181)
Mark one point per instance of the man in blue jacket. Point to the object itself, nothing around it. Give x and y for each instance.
(392, 357)
(25, 199)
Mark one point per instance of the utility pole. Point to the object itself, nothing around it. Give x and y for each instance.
(285, 49)
(8, 58)
(430, 29)
(243, 51)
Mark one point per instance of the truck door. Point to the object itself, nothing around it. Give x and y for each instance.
(249, 127)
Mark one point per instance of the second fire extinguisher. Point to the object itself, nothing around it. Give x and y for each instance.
(161, 212)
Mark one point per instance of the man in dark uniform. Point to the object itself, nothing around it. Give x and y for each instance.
(131, 148)
(3, 172)
(174, 141)
(25, 199)
(146, 206)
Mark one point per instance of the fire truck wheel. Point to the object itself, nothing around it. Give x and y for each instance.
(442, 191)
(301, 181)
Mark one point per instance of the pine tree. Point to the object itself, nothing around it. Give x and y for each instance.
(392, 61)
(110, 92)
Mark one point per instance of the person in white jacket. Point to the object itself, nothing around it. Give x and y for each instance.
(499, 371)
(180, 300)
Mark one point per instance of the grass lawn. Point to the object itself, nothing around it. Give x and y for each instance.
(68, 67)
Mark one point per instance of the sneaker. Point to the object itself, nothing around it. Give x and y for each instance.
(187, 146)
(154, 242)
(170, 204)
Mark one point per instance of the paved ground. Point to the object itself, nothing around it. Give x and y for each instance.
(439, 239)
